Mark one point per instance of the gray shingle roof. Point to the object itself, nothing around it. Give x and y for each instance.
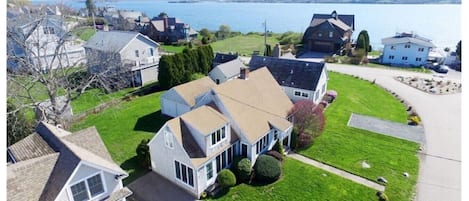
(110, 41)
(68, 151)
(289, 72)
(30, 147)
(230, 68)
(349, 20)
(407, 38)
(223, 58)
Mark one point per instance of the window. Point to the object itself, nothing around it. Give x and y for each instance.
(209, 169)
(218, 161)
(136, 53)
(184, 173)
(421, 49)
(262, 144)
(404, 58)
(304, 94)
(244, 150)
(79, 191)
(297, 93)
(223, 159)
(393, 47)
(218, 135)
(168, 139)
(331, 34)
(407, 46)
(391, 57)
(48, 30)
(88, 188)
(275, 134)
(230, 155)
(151, 52)
(323, 88)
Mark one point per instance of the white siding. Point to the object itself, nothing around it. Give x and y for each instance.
(149, 74)
(162, 159)
(142, 45)
(172, 104)
(398, 51)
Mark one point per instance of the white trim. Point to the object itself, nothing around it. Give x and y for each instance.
(70, 178)
(221, 136)
(103, 168)
(103, 183)
(180, 168)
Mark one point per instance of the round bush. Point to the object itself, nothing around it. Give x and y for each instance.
(267, 169)
(226, 178)
(243, 169)
(275, 154)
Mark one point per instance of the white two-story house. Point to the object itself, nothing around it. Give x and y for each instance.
(244, 116)
(406, 49)
(131, 55)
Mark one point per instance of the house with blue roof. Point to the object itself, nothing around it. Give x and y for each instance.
(125, 56)
(406, 49)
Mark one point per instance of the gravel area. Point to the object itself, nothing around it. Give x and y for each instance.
(398, 130)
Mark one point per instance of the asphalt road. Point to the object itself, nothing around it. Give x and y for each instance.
(440, 161)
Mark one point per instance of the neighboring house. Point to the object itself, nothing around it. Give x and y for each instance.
(221, 58)
(451, 58)
(328, 33)
(39, 41)
(406, 49)
(226, 71)
(183, 98)
(245, 116)
(54, 164)
(170, 30)
(299, 79)
(132, 55)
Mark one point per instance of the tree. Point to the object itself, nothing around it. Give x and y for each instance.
(458, 50)
(18, 127)
(308, 118)
(143, 153)
(91, 7)
(43, 71)
(205, 32)
(162, 14)
(363, 41)
(223, 31)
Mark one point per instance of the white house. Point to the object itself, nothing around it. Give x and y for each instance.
(110, 51)
(245, 116)
(54, 164)
(40, 41)
(406, 49)
(299, 79)
(226, 71)
(183, 98)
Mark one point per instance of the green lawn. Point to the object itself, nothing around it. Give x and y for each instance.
(84, 33)
(123, 126)
(302, 182)
(93, 97)
(173, 48)
(416, 69)
(243, 44)
(346, 147)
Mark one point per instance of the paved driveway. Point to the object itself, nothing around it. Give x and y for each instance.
(153, 187)
(440, 164)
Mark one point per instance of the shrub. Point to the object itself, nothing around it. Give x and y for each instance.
(267, 169)
(242, 169)
(226, 178)
(279, 147)
(304, 140)
(382, 196)
(143, 153)
(329, 59)
(294, 138)
(275, 154)
(414, 120)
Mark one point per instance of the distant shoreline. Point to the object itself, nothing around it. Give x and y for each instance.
(387, 2)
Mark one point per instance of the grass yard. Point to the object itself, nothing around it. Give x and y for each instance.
(302, 182)
(173, 48)
(346, 147)
(243, 44)
(93, 97)
(84, 33)
(123, 126)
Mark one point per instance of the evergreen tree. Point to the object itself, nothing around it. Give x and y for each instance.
(268, 51)
(18, 127)
(458, 50)
(164, 72)
(91, 7)
(363, 41)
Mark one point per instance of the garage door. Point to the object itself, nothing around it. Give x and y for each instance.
(319, 46)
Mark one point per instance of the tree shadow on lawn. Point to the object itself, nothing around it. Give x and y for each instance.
(134, 169)
(151, 122)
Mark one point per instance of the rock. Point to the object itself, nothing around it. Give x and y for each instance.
(382, 180)
(406, 174)
(365, 165)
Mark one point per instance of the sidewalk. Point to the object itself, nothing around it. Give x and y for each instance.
(338, 172)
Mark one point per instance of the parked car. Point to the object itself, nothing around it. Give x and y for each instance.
(441, 69)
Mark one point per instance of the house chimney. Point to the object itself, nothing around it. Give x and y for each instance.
(165, 21)
(244, 73)
(277, 52)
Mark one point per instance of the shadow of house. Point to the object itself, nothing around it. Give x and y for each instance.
(151, 122)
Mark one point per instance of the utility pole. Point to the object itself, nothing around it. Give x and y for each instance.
(265, 36)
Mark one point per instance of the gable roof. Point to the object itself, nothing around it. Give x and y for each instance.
(30, 147)
(348, 20)
(290, 73)
(223, 58)
(401, 38)
(255, 104)
(191, 90)
(205, 119)
(113, 41)
(69, 150)
(230, 68)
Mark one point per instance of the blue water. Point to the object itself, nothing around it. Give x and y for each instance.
(440, 23)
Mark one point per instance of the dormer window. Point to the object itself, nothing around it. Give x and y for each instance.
(218, 135)
(88, 188)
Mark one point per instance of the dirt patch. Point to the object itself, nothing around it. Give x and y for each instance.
(431, 86)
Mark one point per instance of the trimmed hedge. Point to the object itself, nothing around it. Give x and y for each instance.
(242, 169)
(226, 178)
(267, 169)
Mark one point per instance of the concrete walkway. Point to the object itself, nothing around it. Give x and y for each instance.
(338, 172)
(398, 130)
